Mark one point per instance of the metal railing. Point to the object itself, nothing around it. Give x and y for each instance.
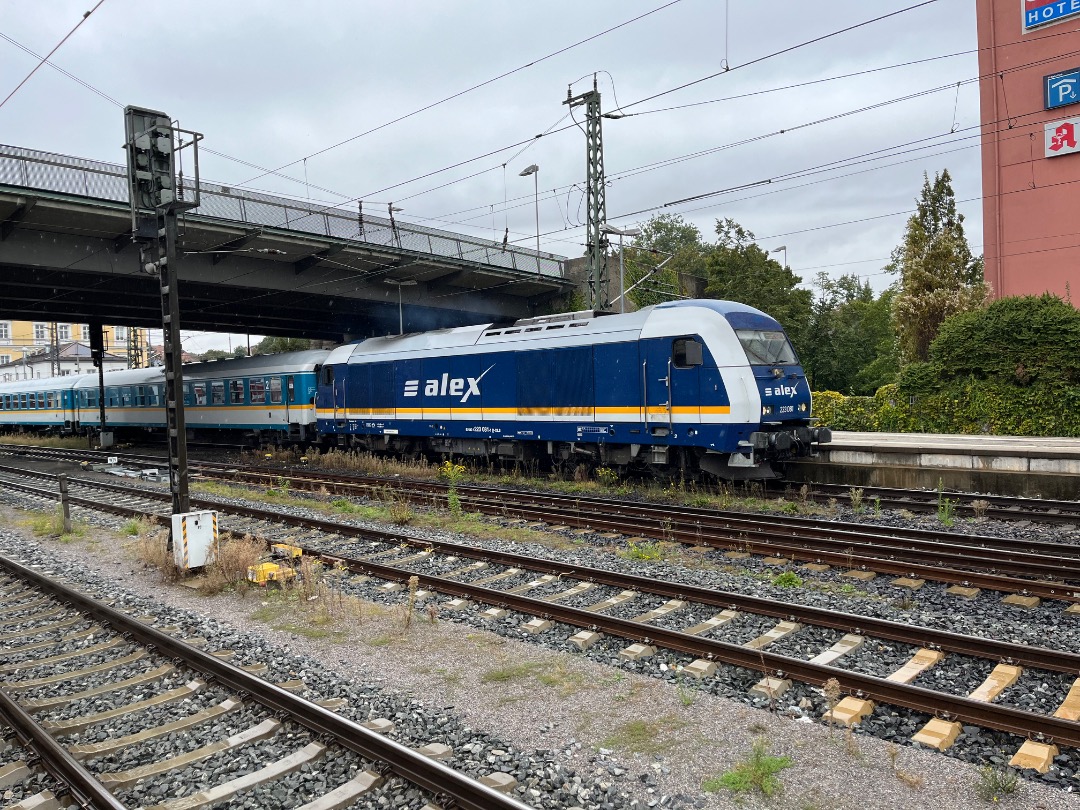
(47, 171)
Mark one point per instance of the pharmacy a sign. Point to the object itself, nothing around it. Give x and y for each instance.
(1062, 137)
(1037, 13)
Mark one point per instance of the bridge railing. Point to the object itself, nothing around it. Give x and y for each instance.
(47, 171)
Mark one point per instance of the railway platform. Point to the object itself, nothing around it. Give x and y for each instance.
(1020, 466)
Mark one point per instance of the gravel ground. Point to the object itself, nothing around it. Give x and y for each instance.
(625, 735)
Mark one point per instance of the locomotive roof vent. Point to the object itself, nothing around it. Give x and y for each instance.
(584, 314)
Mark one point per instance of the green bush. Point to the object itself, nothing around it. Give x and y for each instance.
(1012, 368)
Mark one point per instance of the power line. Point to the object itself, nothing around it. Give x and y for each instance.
(67, 36)
(774, 54)
(460, 93)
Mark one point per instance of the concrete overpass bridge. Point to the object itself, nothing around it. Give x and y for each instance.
(249, 262)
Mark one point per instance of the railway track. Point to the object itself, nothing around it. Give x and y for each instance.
(1039, 568)
(67, 653)
(997, 507)
(652, 616)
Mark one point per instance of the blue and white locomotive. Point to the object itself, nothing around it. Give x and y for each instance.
(682, 386)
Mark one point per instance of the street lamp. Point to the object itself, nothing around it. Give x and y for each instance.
(620, 233)
(777, 250)
(393, 209)
(406, 283)
(534, 170)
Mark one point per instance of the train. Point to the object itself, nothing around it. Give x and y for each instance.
(686, 387)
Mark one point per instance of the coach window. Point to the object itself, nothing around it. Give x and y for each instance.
(217, 393)
(686, 353)
(50, 403)
(236, 392)
(275, 390)
(257, 391)
(200, 393)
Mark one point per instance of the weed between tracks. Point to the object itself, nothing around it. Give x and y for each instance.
(755, 774)
(51, 524)
(61, 442)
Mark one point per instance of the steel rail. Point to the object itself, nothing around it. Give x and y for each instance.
(989, 715)
(414, 767)
(1023, 654)
(667, 519)
(1002, 506)
(991, 581)
(83, 786)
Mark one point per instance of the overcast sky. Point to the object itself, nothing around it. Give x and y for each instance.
(272, 82)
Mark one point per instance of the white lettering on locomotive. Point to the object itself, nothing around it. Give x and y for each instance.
(782, 391)
(461, 387)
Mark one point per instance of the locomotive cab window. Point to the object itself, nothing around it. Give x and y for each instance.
(327, 375)
(686, 353)
(766, 348)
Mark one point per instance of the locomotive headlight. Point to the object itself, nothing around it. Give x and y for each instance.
(766, 410)
(802, 407)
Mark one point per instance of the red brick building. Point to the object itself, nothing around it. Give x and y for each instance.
(1029, 61)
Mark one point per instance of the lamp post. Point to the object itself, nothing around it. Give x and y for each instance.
(406, 283)
(777, 250)
(393, 209)
(621, 232)
(534, 170)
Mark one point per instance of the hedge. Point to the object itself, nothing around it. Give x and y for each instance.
(968, 406)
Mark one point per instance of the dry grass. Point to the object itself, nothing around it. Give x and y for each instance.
(31, 440)
(230, 560)
(369, 464)
(152, 550)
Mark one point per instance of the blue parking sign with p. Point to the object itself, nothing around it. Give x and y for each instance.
(1062, 89)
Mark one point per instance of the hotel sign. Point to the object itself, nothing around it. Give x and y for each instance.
(1061, 137)
(1037, 13)
(1061, 89)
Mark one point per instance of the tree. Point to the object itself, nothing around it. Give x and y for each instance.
(662, 236)
(275, 345)
(938, 275)
(738, 269)
(849, 345)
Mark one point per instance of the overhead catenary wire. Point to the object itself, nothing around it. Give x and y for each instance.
(67, 36)
(474, 87)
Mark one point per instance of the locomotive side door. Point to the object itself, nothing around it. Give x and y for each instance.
(670, 378)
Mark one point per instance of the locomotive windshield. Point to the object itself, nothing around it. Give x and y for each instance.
(766, 348)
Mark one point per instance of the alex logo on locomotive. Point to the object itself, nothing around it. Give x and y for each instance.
(782, 390)
(444, 385)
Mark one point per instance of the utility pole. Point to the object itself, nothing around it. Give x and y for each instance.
(151, 148)
(595, 196)
(134, 348)
(54, 350)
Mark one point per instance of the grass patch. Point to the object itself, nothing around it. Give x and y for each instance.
(757, 773)
(643, 736)
(51, 524)
(30, 440)
(787, 579)
(512, 672)
(649, 551)
(994, 784)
